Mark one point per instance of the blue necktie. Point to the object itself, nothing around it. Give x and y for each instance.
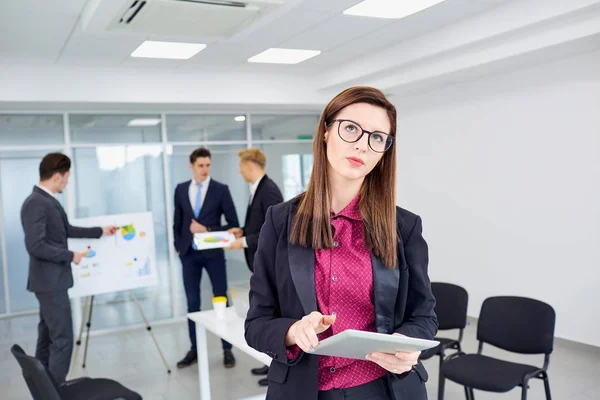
(197, 207)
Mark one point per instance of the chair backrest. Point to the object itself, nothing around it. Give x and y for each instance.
(451, 305)
(39, 381)
(517, 324)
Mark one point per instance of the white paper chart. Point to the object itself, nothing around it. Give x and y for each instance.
(126, 260)
(213, 240)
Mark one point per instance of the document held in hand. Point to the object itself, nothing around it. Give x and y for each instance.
(213, 240)
(357, 344)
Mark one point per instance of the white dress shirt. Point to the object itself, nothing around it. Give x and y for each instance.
(45, 189)
(193, 191)
(253, 188)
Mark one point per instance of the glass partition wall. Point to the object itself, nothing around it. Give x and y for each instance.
(128, 162)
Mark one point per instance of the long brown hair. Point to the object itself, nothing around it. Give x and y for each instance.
(311, 226)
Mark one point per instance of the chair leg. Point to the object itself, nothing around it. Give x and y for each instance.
(441, 381)
(467, 393)
(524, 392)
(547, 386)
(471, 394)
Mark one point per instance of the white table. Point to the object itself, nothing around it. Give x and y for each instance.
(231, 329)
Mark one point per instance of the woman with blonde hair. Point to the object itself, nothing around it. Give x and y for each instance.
(343, 256)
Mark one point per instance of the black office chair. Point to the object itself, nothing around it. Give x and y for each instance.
(42, 385)
(516, 324)
(451, 310)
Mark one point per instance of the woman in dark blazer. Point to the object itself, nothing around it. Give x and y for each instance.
(343, 256)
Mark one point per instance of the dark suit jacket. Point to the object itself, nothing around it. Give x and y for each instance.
(217, 202)
(267, 194)
(46, 231)
(282, 291)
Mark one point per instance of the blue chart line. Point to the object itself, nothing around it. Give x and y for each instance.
(144, 270)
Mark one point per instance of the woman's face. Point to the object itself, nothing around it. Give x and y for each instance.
(355, 160)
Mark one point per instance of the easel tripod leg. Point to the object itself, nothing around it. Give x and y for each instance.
(78, 342)
(87, 336)
(149, 329)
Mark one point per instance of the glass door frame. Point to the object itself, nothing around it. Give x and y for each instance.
(67, 147)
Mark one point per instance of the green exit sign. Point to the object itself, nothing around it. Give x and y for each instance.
(305, 137)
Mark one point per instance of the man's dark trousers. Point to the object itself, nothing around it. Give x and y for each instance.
(55, 333)
(193, 263)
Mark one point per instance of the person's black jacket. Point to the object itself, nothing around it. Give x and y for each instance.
(267, 194)
(282, 291)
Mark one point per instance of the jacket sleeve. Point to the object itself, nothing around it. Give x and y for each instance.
(83, 233)
(228, 209)
(271, 198)
(34, 225)
(420, 320)
(265, 329)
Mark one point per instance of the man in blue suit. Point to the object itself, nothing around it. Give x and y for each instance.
(199, 205)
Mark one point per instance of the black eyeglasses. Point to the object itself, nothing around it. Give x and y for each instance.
(351, 132)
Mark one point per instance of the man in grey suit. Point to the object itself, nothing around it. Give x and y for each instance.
(46, 231)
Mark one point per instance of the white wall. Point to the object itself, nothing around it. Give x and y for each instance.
(506, 175)
(115, 86)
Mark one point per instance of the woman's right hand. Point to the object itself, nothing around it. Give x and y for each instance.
(303, 333)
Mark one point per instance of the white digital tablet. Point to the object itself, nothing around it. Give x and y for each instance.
(357, 344)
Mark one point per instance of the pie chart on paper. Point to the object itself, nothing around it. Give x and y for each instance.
(89, 253)
(128, 232)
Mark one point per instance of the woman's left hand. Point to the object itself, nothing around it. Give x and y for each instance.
(398, 363)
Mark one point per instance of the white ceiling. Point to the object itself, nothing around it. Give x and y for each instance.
(49, 32)
(46, 56)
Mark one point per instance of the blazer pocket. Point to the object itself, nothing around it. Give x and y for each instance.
(422, 372)
(278, 372)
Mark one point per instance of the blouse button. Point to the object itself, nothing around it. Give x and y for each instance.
(334, 278)
(331, 369)
(335, 244)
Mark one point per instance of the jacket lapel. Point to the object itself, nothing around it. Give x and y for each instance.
(261, 184)
(385, 285)
(302, 269)
(247, 219)
(184, 194)
(207, 199)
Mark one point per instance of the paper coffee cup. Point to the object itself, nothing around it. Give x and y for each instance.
(219, 305)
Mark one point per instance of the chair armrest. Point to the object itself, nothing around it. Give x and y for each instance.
(75, 381)
(454, 356)
(451, 345)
